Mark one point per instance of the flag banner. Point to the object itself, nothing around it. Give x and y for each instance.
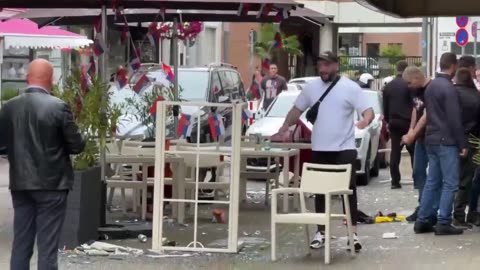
(185, 125)
(135, 64)
(243, 9)
(255, 89)
(245, 115)
(118, 14)
(217, 128)
(125, 32)
(168, 72)
(277, 42)
(266, 64)
(99, 47)
(264, 11)
(153, 33)
(282, 15)
(121, 79)
(92, 66)
(153, 108)
(142, 84)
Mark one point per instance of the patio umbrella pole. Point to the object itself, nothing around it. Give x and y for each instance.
(105, 79)
(175, 67)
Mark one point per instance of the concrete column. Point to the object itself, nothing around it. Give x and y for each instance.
(329, 37)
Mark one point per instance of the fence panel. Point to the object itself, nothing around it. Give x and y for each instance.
(379, 67)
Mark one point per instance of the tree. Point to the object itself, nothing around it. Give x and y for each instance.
(393, 52)
(264, 48)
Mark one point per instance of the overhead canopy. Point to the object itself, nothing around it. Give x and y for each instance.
(424, 8)
(168, 4)
(88, 16)
(18, 33)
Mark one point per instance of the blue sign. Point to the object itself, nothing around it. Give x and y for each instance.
(462, 21)
(461, 37)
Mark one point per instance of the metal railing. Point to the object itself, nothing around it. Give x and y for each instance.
(379, 67)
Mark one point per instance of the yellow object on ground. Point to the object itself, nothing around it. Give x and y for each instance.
(389, 219)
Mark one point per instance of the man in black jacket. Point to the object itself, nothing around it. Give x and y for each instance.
(40, 135)
(397, 108)
(445, 143)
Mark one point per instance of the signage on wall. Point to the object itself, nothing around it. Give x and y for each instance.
(461, 37)
(462, 21)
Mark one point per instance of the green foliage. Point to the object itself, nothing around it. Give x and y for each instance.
(87, 108)
(8, 94)
(264, 49)
(142, 105)
(393, 52)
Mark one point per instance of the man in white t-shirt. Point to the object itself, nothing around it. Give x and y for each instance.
(333, 135)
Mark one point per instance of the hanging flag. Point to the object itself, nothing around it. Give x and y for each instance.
(118, 14)
(255, 89)
(243, 9)
(92, 66)
(185, 125)
(281, 15)
(168, 72)
(217, 128)
(245, 115)
(121, 79)
(277, 42)
(153, 109)
(264, 11)
(266, 64)
(135, 64)
(98, 46)
(143, 83)
(153, 33)
(125, 32)
(98, 24)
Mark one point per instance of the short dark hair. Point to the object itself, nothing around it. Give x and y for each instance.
(401, 66)
(466, 61)
(464, 77)
(447, 60)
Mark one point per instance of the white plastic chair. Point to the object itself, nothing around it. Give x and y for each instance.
(330, 180)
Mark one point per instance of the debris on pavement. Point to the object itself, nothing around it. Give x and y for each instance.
(142, 238)
(391, 235)
(218, 216)
(97, 248)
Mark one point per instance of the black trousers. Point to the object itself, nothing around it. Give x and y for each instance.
(40, 215)
(336, 158)
(396, 154)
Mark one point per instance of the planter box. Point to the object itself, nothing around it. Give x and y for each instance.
(84, 205)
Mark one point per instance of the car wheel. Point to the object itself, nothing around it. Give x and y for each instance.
(376, 167)
(363, 179)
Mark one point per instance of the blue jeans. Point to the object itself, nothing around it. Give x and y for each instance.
(473, 205)
(443, 178)
(420, 164)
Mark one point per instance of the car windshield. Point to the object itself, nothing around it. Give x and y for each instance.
(281, 106)
(193, 83)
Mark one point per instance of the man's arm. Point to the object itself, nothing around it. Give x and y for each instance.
(413, 119)
(73, 139)
(292, 118)
(363, 108)
(454, 116)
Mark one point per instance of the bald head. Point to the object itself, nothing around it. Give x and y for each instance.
(40, 73)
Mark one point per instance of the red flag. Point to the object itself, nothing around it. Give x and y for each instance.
(168, 71)
(281, 15)
(125, 32)
(277, 44)
(264, 10)
(243, 9)
(153, 109)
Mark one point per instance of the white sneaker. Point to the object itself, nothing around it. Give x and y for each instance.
(318, 241)
(356, 243)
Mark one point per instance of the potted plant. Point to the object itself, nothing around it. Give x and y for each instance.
(8, 94)
(84, 95)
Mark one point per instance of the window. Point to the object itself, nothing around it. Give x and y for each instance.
(373, 49)
(227, 83)
(216, 87)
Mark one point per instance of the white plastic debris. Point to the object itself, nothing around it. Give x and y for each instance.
(391, 235)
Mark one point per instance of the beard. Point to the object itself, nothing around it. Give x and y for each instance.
(327, 77)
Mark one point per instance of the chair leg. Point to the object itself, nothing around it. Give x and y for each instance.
(307, 234)
(124, 200)
(274, 236)
(327, 241)
(349, 225)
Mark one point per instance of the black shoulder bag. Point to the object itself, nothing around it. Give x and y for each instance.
(313, 112)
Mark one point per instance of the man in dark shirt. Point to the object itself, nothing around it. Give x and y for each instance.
(470, 105)
(446, 143)
(417, 82)
(397, 108)
(272, 85)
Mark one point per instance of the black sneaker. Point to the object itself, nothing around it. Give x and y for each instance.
(473, 218)
(461, 224)
(396, 186)
(442, 229)
(413, 216)
(422, 227)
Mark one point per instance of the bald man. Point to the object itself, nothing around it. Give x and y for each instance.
(40, 134)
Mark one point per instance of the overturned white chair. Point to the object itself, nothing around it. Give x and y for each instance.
(330, 180)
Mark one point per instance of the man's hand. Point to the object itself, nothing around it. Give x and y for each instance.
(362, 124)
(282, 135)
(464, 153)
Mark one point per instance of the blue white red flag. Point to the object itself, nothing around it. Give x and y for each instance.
(245, 115)
(168, 72)
(121, 79)
(98, 46)
(281, 15)
(143, 83)
(135, 64)
(153, 33)
(125, 32)
(217, 128)
(153, 109)
(277, 42)
(185, 125)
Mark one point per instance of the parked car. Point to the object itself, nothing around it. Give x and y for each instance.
(217, 83)
(364, 64)
(301, 81)
(366, 140)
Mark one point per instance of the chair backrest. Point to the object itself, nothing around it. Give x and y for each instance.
(205, 160)
(321, 179)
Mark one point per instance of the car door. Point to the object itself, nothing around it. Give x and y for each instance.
(376, 126)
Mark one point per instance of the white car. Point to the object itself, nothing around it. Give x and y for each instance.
(301, 81)
(366, 140)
